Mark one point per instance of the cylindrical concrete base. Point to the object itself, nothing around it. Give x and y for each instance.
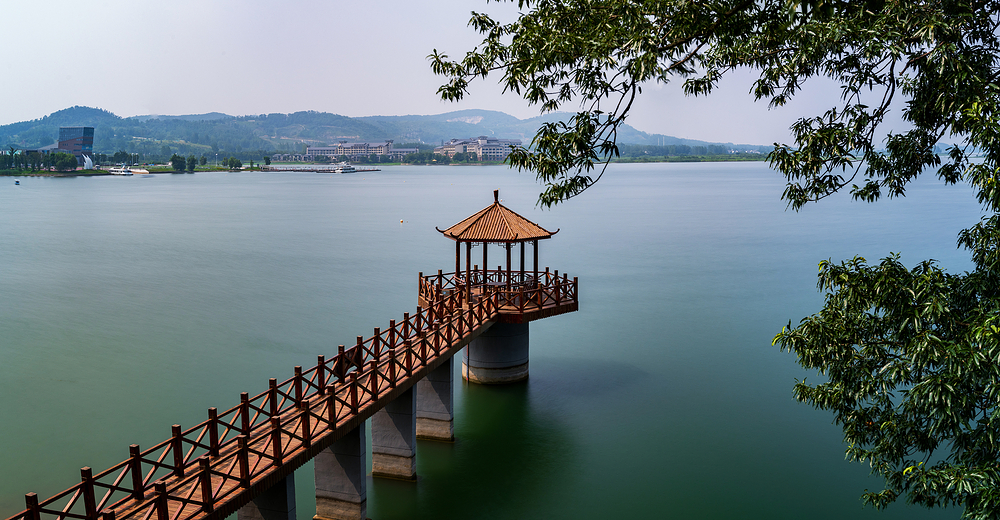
(498, 356)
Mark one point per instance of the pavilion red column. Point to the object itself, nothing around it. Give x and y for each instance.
(458, 258)
(508, 244)
(468, 272)
(486, 262)
(535, 251)
(522, 262)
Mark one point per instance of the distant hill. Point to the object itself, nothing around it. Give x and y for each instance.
(156, 136)
(193, 117)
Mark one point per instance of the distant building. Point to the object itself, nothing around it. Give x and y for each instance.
(76, 140)
(352, 151)
(483, 147)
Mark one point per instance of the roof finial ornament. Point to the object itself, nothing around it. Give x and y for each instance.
(496, 196)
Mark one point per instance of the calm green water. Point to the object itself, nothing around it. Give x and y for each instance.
(128, 304)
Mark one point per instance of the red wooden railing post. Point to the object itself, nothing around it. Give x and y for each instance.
(297, 384)
(306, 419)
(420, 320)
(320, 375)
(243, 460)
(450, 332)
(354, 392)
(31, 504)
(373, 378)
(178, 448)
(160, 489)
(359, 353)
(408, 357)
(576, 290)
(376, 343)
(423, 349)
(135, 468)
(108, 515)
(89, 500)
(331, 410)
(340, 368)
(392, 368)
(213, 432)
(276, 441)
(272, 396)
(406, 325)
(208, 504)
(245, 413)
(420, 283)
(392, 333)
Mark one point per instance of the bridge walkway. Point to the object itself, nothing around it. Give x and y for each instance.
(213, 469)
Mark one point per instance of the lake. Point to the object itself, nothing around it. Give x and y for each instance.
(128, 304)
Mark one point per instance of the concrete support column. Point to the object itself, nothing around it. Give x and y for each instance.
(277, 503)
(436, 403)
(394, 438)
(499, 355)
(341, 479)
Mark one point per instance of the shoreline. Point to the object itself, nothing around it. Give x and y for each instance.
(620, 160)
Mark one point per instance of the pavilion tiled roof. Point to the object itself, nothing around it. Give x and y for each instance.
(496, 223)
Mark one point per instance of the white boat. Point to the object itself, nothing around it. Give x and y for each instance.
(120, 171)
(344, 168)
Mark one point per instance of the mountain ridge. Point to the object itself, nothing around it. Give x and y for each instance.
(254, 135)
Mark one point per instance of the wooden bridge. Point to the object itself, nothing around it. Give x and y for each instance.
(216, 467)
(225, 463)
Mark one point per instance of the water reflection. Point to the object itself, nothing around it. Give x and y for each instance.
(508, 455)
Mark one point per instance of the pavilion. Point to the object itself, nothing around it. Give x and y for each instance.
(496, 224)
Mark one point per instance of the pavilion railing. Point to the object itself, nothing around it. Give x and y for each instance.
(196, 470)
(518, 292)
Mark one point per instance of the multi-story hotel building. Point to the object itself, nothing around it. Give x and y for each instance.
(483, 147)
(350, 150)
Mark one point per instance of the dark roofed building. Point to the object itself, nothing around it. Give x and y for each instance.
(77, 140)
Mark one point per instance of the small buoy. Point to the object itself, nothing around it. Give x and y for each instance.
(400, 221)
(18, 183)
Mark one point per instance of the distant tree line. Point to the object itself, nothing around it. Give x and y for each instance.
(673, 150)
(427, 157)
(19, 160)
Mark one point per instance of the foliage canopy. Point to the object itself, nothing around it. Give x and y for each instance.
(911, 357)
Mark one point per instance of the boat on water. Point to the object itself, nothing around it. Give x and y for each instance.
(344, 168)
(125, 170)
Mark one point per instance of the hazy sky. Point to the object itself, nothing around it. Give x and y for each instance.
(136, 57)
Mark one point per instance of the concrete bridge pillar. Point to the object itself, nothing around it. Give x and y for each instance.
(277, 503)
(436, 403)
(499, 355)
(394, 438)
(341, 479)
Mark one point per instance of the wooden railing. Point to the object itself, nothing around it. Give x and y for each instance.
(205, 471)
(516, 293)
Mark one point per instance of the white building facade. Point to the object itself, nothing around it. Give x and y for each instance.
(483, 147)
